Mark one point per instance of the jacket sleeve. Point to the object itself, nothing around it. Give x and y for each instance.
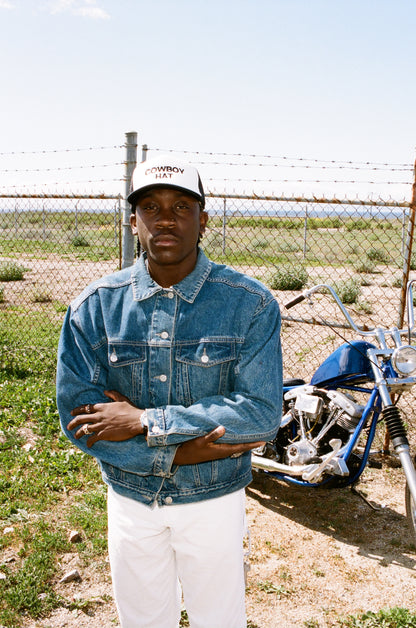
(79, 380)
(252, 411)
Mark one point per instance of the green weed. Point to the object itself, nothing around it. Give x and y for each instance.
(41, 295)
(79, 241)
(268, 587)
(386, 618)
(289, 278)
(365, 307)
(348, 290)
(9, 271)
(378, 255)
(184, 622)
(366, 266)
(358, 224)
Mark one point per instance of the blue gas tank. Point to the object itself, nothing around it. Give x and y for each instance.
(349, 362)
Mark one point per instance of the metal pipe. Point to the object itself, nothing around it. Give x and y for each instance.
(408, 253)
(407, 463)
(258, 462)
(224, 225)
(305, 232)
(127, 236)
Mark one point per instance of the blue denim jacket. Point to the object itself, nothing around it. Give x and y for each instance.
(203, 353)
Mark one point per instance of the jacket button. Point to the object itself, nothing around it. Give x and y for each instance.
(163, 378)
(168, 500)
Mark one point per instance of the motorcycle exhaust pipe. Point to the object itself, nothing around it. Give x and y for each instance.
(266, 464)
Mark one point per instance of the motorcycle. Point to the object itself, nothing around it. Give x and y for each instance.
(326, 435)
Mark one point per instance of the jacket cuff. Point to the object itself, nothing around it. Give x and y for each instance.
(156, 434)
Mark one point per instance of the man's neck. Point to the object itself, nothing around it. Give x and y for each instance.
(166, 275)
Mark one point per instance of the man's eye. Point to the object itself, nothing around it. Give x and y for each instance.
(150, 208)
(181, 207)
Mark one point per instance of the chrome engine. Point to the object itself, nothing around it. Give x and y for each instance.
(320, 415)
(314, 430)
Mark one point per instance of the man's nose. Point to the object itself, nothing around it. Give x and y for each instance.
(166, 216)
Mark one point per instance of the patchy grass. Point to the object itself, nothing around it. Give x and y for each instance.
(46, 486)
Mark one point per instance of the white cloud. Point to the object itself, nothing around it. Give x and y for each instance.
(93, 12)
(84, 8)
(4, 4)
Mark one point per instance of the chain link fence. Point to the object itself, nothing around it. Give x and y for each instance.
(52, 246)
(358, 249)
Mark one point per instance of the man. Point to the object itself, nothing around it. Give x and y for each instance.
(169, 373)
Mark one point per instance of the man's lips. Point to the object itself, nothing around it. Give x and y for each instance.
(165, 239)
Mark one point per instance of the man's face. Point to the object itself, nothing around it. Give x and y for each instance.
(168, 224)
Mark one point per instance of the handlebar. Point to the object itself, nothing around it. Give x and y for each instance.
(295, 301)
(306, 294)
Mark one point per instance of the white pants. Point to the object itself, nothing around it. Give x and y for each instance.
(198, 546)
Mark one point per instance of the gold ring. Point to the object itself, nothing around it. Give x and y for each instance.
(86, 429)
(88, 409)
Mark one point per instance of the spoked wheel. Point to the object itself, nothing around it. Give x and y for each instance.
(410, 510)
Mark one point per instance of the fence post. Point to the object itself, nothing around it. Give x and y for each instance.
(43, 223)
(76, 219)
(224, 225)
(116, 223)
(305, 232)
(127, 248)
(408, 252)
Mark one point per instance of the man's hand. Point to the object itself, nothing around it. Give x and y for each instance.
(205, 448)
(115, 421)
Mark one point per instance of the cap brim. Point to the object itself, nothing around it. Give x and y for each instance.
(134, 196)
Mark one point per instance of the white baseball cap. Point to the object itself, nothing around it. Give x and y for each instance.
(165, 171)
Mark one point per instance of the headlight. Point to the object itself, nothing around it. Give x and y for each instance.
(404, 360)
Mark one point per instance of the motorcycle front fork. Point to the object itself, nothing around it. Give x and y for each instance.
(398, 437)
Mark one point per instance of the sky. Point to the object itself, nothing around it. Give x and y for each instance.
(299, 82)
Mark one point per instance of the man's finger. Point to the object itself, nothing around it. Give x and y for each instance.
(215, 434)
(254, 445)
(114, 395)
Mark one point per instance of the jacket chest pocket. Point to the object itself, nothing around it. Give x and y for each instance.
(125, 368)
(204, 369)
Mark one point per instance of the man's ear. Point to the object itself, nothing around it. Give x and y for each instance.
(133, 223)
(203, 219)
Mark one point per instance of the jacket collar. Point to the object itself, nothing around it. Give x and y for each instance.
(144, 287)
